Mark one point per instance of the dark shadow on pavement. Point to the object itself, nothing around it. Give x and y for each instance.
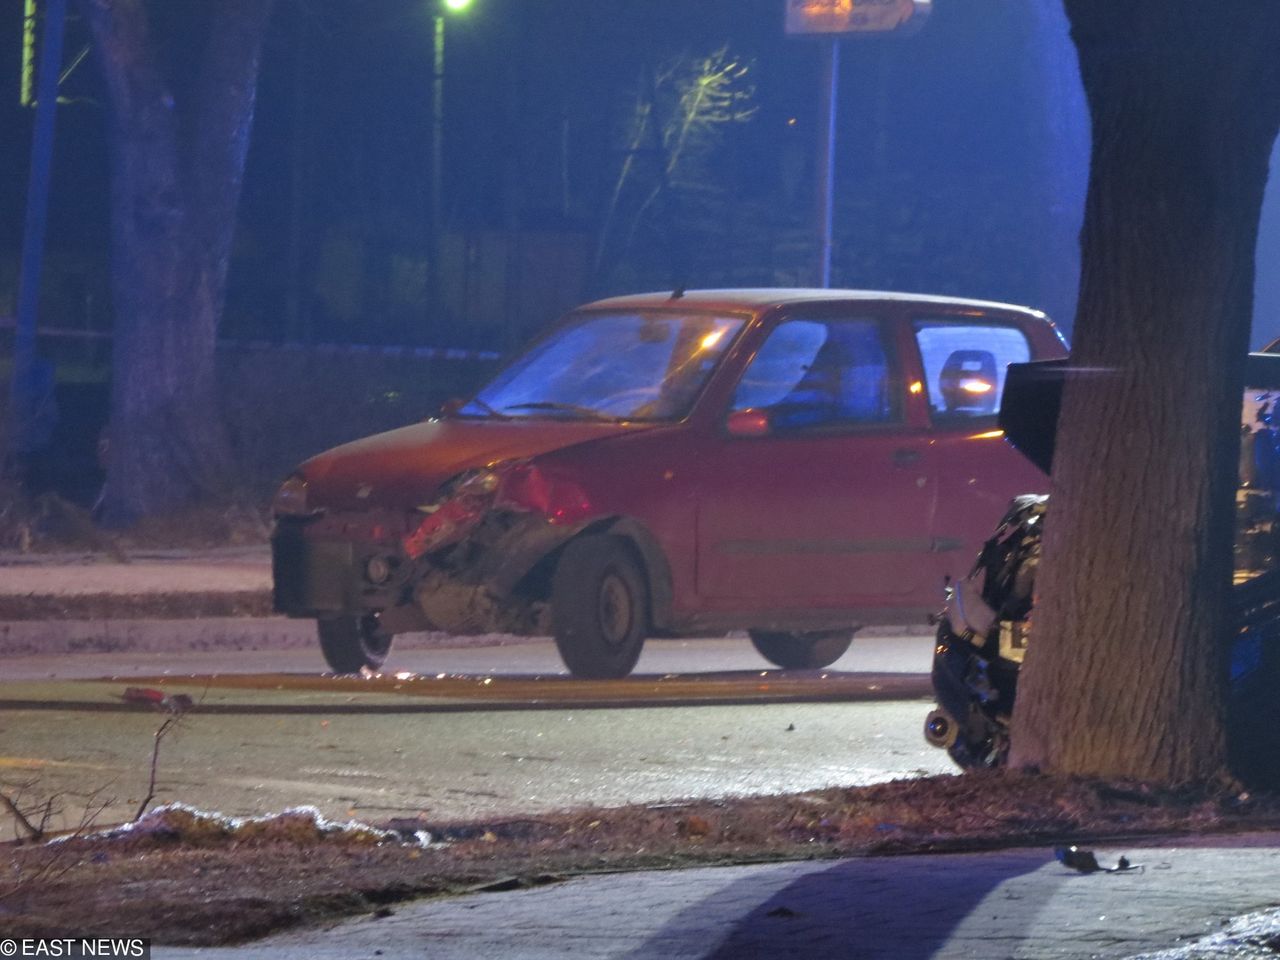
(897, 908)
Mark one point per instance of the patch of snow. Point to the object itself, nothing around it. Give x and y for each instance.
(1254, 936)
(185, 820)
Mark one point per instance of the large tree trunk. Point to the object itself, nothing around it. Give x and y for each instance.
(1126, 674)
(177, 169)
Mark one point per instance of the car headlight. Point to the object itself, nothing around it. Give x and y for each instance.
(291, 499)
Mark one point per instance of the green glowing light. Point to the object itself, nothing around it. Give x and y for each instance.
(456, 6)
(27, 95)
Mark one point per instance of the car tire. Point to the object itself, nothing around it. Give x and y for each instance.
(987, 752)
(353, 644)
(802, 651)
(599, 607)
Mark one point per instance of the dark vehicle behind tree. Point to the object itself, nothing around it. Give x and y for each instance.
(987, 623)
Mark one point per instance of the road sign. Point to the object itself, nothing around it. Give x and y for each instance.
(855, 16)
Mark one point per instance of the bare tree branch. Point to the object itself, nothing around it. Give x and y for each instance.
(20, 818)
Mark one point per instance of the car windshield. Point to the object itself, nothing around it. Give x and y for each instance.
(611, 366)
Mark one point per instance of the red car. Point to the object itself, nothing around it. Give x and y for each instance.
(794, 463)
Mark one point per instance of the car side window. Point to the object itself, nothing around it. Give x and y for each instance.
(965, 361)
(821, 374)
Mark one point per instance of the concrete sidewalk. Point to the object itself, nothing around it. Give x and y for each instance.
(237, 568)
(168, 600)
(980, 906)
(157, 584)
(158, 600)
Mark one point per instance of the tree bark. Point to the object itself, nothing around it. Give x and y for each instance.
(1126, 676)
(177, 169)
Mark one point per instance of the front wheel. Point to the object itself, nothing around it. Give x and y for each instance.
(802, 651)
(599, 607)
(352, 644)
(987, 751)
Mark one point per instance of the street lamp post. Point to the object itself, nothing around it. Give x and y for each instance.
(826, 159)
(437, 148)
(830, 20)
(23, 389)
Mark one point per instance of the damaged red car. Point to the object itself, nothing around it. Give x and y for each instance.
(791, 463)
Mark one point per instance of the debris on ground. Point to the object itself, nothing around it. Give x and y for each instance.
(148, 696)
(1086, 861)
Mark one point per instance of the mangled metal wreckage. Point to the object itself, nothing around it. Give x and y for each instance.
(468, 561)
(985, 626)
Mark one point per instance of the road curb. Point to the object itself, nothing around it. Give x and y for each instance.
(20, 638)
(141, 605)
(113, 635)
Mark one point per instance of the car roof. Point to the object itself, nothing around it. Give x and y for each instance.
(760, 299)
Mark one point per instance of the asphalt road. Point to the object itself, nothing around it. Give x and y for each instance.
(877, 651)
(478, 735)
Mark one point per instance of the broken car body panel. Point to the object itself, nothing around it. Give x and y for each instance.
(781, 460)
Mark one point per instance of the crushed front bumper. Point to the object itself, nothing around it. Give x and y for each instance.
(472, 585)
(314, 575)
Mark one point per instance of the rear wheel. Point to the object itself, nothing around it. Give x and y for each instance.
(352, 644)
(802, 651)
(599, 607)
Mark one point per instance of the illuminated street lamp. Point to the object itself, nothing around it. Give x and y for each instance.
(437, 143)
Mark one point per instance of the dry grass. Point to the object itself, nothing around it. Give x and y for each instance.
(201, 883)
(49, 524)
(237, 524)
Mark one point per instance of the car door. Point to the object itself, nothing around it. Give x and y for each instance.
(829, 504)
(963, 359)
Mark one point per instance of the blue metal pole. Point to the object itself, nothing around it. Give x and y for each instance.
(22, 392)
(435, 311)
(827, 159)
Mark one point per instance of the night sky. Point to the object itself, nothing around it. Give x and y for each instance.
(962, 154)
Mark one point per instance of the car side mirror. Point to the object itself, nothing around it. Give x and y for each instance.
(748, 423)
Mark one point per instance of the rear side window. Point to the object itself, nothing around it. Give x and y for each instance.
(965, 363)
(821, 373)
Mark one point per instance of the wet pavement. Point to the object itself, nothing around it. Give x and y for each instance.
(484, 739)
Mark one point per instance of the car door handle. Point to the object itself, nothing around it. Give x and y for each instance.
(906, 457)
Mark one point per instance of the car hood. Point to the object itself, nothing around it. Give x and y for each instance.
(403, 468)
